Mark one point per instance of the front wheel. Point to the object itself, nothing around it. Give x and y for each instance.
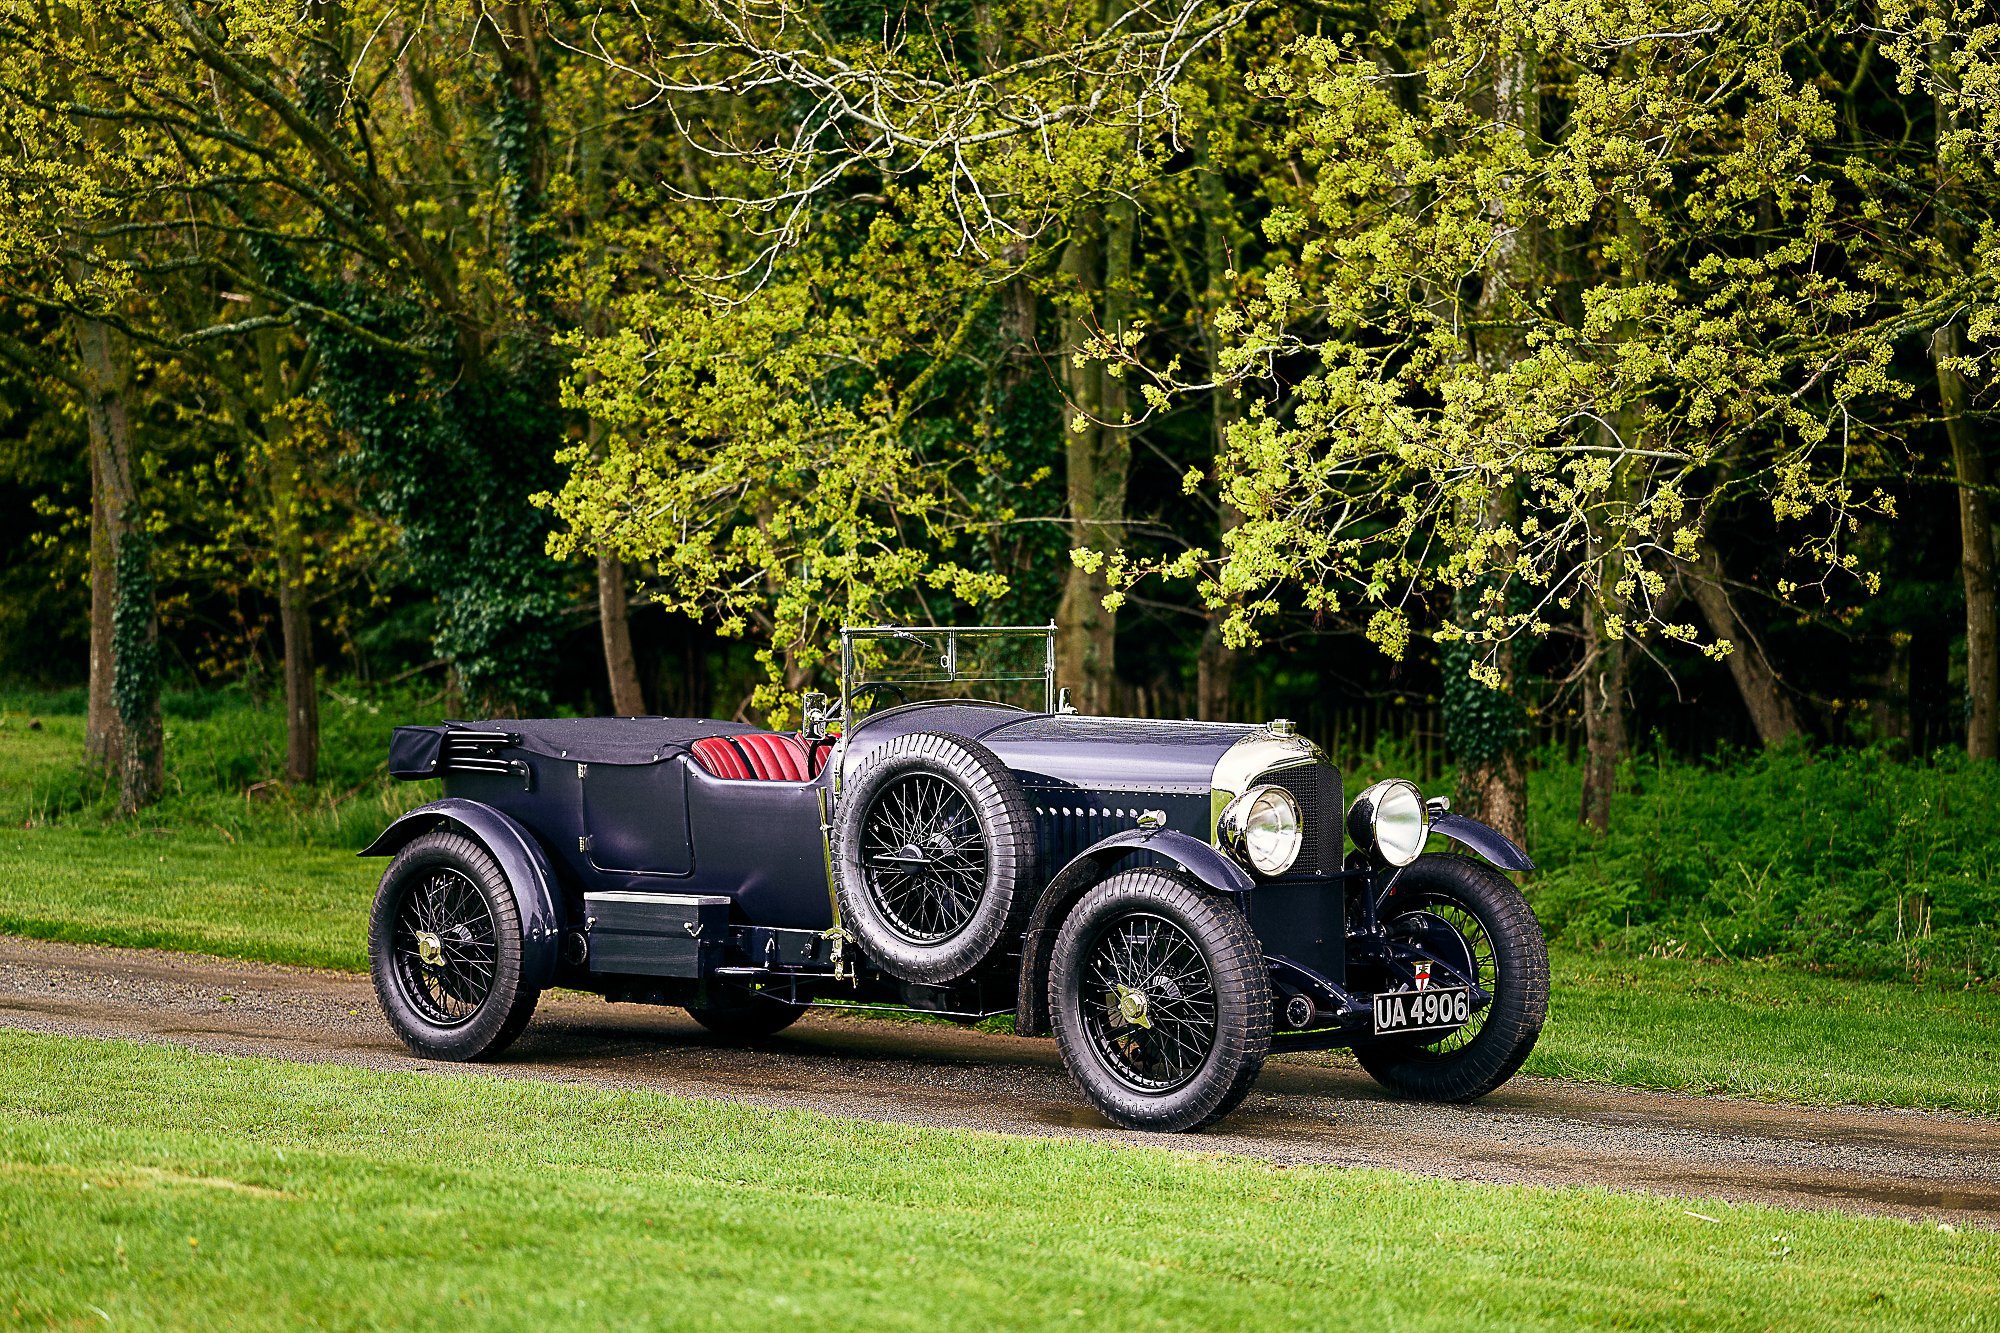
(1470, 904)
(1161, 1001)
(444, 944)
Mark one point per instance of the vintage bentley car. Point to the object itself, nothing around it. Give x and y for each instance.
(1171, 900)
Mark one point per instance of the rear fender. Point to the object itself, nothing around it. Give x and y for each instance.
(1090, 867)
(520, 859)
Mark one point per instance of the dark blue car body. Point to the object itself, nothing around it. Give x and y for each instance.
(640, 874)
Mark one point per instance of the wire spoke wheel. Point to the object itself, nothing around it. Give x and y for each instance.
(445, 948)
(1427, 916)
(934, 852)
(1472, 918)
(1160, 998)
(1149, 1002)
(924, 858)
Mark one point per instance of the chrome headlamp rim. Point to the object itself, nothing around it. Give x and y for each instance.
(1233, 828)
(1401, 799)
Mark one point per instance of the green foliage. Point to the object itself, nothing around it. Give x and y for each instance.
(1484, 725)
(135, 686)
(453, 463)
(1845, 861)
(1549, 325)
(788, 462)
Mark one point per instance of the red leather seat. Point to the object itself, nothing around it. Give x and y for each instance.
(753, 755)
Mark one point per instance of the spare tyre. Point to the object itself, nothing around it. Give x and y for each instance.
(933, 854)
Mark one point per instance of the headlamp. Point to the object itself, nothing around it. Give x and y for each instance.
(1262, 827)
(1390, 820)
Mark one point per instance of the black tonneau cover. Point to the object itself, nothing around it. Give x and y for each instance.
(414, 752)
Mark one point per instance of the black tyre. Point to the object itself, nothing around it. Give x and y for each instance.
(934, 855)
(1481, 907)
(1161, 1001)
(444, 944)
(745, 1015)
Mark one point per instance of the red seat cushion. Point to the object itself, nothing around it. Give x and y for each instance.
(763, 755)
(774, 758)
(719, 757)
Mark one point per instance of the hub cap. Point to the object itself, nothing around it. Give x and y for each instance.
(1149, 1002)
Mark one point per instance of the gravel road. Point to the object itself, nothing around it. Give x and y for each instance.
(1536, 1131)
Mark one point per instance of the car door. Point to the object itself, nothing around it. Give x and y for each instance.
(635, 817)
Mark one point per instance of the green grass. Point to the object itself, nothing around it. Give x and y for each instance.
(149, 1185)
(187, 889)
(224, 758)
(1769, 1032)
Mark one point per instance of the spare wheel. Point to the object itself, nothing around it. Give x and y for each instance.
(933, 854)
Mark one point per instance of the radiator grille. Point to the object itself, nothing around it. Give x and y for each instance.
(1316, 787)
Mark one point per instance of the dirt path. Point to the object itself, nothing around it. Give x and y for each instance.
(1536, 1131)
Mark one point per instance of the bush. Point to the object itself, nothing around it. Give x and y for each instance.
(1846, 861)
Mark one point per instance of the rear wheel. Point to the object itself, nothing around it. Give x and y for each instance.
(1461, 908)
(444, 945)
(1161, 1001)
(745, 1015)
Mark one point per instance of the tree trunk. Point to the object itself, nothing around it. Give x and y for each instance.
(1098, 456)
(1975, 535)
(621, 666)
(1489, 734)
(1607, 652)
(1968, 459)
(1603, 717)
(1770, 711)
(100, 735)
(1215, 663)
(134, 630)
(301, 679)
(1215, 670)
(283, 465)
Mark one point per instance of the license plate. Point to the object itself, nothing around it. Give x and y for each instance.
(1436, 1009)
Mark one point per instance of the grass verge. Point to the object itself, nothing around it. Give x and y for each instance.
(187, 889)
(1771, 1032)
(150, 1185)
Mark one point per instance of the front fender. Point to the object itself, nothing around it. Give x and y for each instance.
(1495, 846)
(521, 861)
(1085, 870)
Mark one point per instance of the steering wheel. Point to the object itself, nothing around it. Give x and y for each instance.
(877, 686)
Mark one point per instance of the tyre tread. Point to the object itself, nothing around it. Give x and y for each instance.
(1237, 959)
(1497, 1053)
(503, 1017)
